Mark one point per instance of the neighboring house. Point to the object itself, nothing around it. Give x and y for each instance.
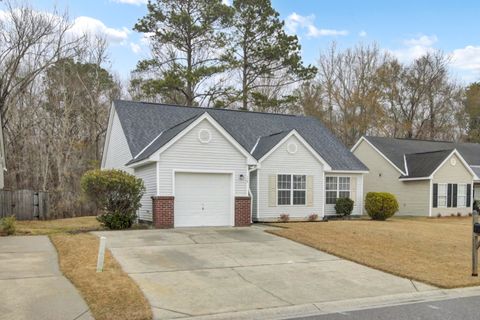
(208, 167)
(427, 177)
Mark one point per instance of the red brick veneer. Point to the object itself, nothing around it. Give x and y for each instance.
(243, 214)
(162, 211)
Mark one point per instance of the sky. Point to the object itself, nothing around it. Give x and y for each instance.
(406, 28)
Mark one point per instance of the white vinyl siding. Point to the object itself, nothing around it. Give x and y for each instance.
(117, 152)
(348, 185)
(188, 153)
(148, 173)
(282, 162)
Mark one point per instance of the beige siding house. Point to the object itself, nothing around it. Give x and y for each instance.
(427, 177)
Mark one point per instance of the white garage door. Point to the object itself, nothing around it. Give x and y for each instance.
(203, 199)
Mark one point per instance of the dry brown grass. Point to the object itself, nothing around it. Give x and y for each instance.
(435, 251)
(111, 294)
(47, 227)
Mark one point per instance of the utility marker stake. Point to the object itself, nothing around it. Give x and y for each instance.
(101, 254)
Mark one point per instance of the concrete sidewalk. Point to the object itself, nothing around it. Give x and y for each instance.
(208, 271)
(32, 286)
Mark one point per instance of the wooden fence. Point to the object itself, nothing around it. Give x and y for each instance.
(24, 204)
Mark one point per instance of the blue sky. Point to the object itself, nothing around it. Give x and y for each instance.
(406, 28)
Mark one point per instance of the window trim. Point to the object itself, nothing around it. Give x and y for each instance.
(337, 189)
(445, 195)
(464, 196)
(292, 189)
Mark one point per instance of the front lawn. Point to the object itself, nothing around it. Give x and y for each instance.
(435, 251)
(47, 227)
(110, 294)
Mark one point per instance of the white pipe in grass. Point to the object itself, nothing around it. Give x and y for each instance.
(101, 254)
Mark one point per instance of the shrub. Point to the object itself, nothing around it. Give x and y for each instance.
(439, 215)
(476, 205)
(452, 214)
(284, 217)
(116, 193)
(459, 214)
(313, 217)
(8, 225)
(381, 205)
(469, 214)
(344, 206)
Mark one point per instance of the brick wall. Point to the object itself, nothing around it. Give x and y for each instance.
(243, 214)
(162, 210)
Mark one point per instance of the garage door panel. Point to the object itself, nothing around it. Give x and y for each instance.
(203, 199)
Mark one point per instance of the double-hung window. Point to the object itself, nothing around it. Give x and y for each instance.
(462, 195)
(336, 187)
(442, 195)
(291, 189)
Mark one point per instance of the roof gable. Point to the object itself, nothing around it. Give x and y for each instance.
(423, 164)
(143, 123)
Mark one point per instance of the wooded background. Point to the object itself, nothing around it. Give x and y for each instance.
(56, 89)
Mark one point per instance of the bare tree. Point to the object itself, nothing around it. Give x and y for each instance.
(30, 42)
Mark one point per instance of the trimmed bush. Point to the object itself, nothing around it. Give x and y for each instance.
(8, 225)
(344, 206)
(476, 205)
(284, 217)
(116, 193)
(381, 205)
(313, 217)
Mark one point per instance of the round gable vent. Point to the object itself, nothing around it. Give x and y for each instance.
(204, 136)
(453, 161)
(292, 148)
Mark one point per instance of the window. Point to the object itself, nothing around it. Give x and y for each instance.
(336, 187)
(462, 195)
(331, 187)
(292, 189)
(442, 195)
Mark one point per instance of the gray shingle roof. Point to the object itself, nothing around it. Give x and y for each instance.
(266, 143)
(143, 122)
(394, 149)
(424, 164)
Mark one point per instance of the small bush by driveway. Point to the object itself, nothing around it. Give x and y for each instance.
(435, 251)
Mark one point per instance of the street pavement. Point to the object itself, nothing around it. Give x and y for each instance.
(451, 309)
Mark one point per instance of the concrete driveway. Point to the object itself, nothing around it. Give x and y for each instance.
(32, 287)
(206, 271)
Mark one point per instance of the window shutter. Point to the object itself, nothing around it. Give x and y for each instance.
(469, 191)
(272, 190)
(353, 189)
(454, 195)
(435, 195)
(449, 195)
(309, 191)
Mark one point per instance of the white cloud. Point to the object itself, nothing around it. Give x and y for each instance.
(421, 41)
(415, 48)
(136, 48)
(295, 21)
(87, 25)
(467, 58)
(135, 2)
(362, 33)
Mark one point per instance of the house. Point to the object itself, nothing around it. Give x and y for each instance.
(427, 177)
(215, 167)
